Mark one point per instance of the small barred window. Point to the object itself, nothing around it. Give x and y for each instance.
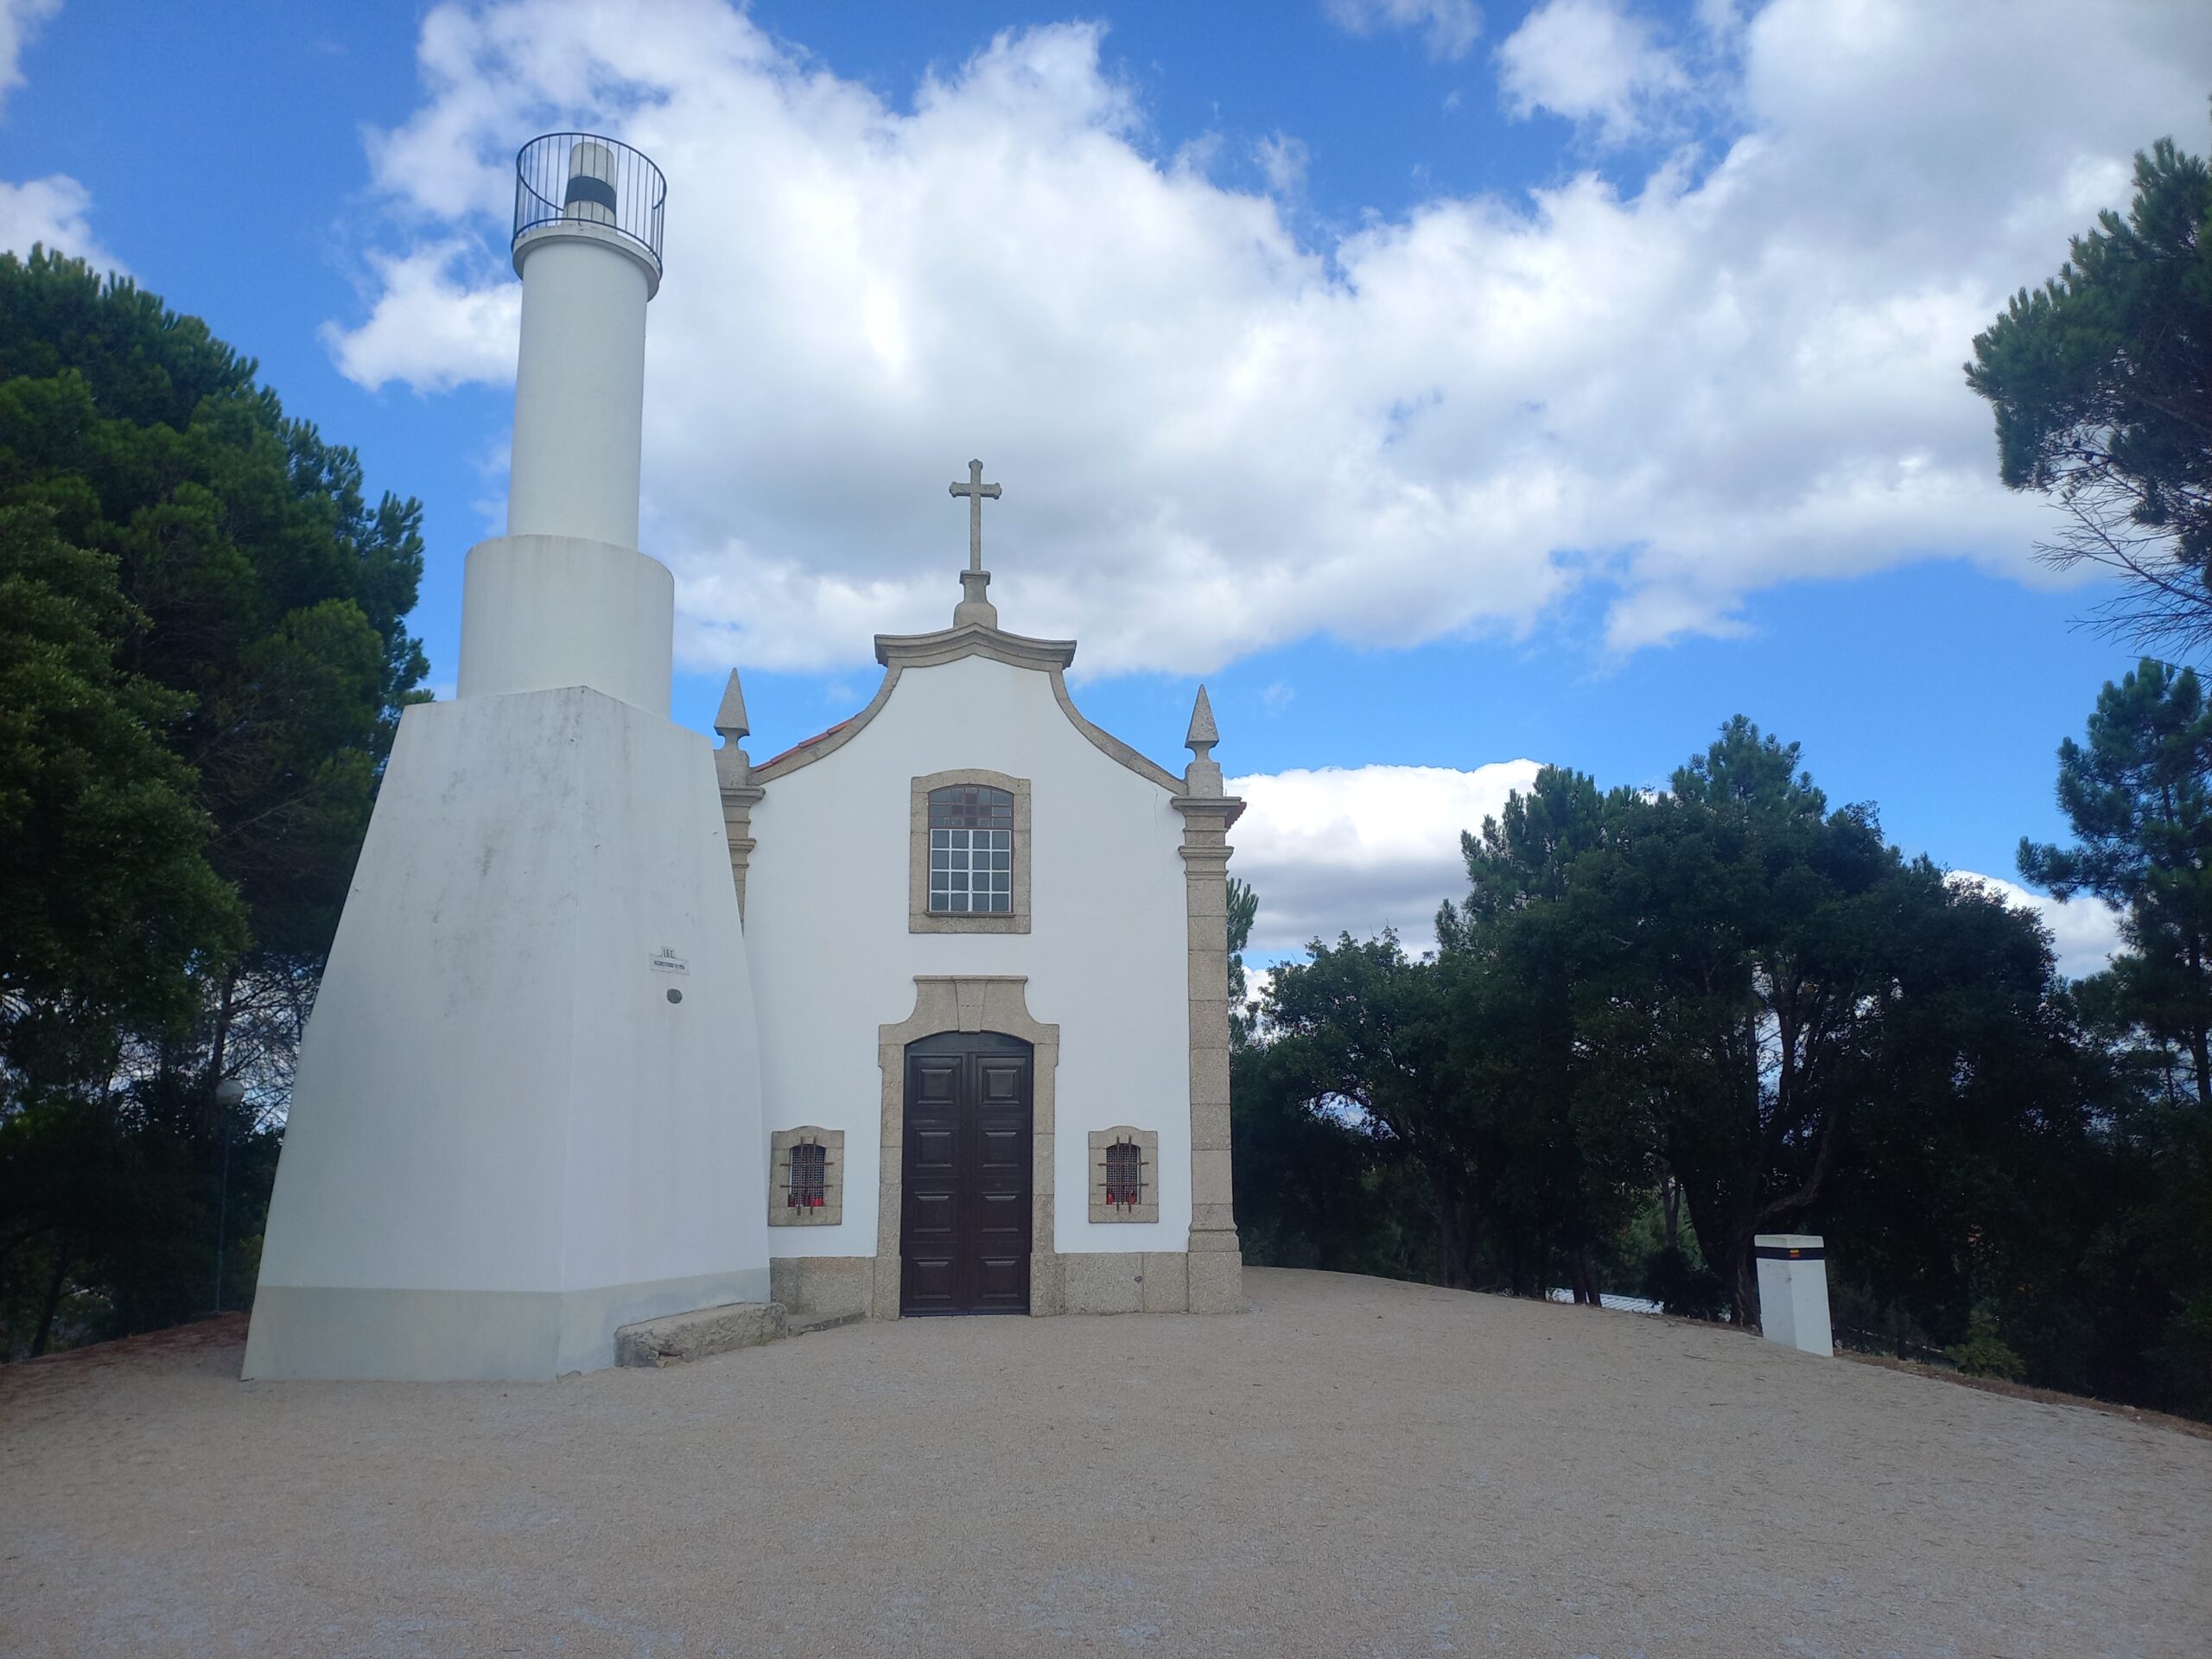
(808, 1176)
(1124, 1175)
(971, 850)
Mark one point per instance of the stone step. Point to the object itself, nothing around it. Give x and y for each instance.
(807, 1323)
(676, 1338)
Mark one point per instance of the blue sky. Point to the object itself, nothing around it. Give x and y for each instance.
(1444, 388)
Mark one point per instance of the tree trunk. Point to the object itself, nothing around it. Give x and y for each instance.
(1742, 1281)
(1712, 1223)
(1671, 1202)
(52, 1301)
(1456, 1233)
(217, 1050)
(1582, 1276)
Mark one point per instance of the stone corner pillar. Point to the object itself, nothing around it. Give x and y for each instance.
(733, 772)
(1216, 1262)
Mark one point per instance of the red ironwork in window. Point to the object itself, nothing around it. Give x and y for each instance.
(1124, 1174)
(809, 1175)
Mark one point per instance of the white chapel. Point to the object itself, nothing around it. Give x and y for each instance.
(925, 1016)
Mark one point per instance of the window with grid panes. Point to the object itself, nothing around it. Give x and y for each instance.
(971, 850)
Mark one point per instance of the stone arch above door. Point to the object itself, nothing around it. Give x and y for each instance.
(969, 1002)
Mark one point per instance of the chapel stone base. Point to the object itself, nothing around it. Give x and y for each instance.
(823, 1284)
(1217, 1274)
(1125, 1281)
(1091, 1281)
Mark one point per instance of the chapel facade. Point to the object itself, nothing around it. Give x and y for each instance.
(928, 1015)
(989, 954)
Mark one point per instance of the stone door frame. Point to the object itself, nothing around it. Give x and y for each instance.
(967, 1002)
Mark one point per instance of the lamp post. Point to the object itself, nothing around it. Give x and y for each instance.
(228, 1093)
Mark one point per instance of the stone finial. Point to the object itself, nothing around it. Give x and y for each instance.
(732, 765)
(1203, 775)
(1203, 735)
(729, 719)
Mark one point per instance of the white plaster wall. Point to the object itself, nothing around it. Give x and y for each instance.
(542, 611)
(580, 389)
(826, 909)
(496, 1101)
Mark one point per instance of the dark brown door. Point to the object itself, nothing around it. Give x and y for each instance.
(965, 1158)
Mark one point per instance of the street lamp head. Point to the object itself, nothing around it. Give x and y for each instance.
(229, 1092)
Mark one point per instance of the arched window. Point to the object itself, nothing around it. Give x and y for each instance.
(968, 852)
(971, 850)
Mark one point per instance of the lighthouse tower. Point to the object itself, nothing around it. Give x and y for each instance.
(527, 1107)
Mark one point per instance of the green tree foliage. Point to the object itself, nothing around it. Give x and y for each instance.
(1313, 1189)
(2101, 383)
(1746, 934)
(1984, 1353)
(1360, 1033)
(1561, 1156)
(1243, 911)
(207, 660)
(1460, 1084)
(2138, 798)
(1313, 1186)
(110, 903)
(1970, 1157)
(1732, 1005)
(270, 596)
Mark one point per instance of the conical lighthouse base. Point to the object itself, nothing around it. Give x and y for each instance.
(527, 1109)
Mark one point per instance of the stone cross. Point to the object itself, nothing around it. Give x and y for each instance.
(974, 489)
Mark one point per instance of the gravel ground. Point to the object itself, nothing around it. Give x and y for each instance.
(1354, 1467)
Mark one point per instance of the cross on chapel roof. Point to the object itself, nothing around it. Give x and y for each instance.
(975, 581)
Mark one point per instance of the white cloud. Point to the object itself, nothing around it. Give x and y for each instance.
(428, 326)
(1214, 438)
(1451, 26)
(1357, 849)
(1283, 160)
(1590, 61)
(19, 21)
(2083, 933)
(52, 210)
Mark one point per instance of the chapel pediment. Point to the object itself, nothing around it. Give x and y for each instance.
(972, 639)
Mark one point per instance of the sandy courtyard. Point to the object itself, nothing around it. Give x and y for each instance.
(1354, 1467)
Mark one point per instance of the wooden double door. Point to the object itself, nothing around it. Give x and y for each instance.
(966, 1157)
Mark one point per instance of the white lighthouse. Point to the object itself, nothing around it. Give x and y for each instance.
(527, 1108)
